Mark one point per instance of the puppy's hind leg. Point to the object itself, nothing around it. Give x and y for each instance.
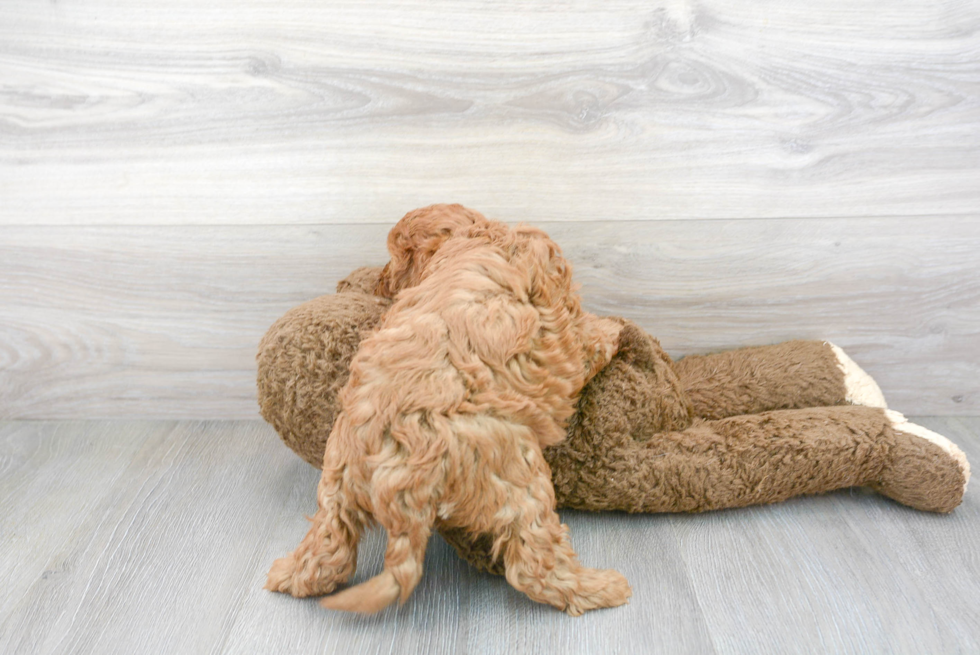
(327, 556)
(540, 561)
(401, 574)
(405, 506)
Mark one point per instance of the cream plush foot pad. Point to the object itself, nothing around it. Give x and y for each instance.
(861, 389)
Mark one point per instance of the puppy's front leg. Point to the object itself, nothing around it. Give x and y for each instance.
(327, 556)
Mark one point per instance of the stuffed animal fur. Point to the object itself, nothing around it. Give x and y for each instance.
(748, 426)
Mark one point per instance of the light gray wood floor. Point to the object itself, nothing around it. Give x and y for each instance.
(155, 536)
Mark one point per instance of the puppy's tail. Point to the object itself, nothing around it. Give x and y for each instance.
(402, 572)
(368, 597)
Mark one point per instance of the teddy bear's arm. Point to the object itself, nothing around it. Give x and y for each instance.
(789, 375)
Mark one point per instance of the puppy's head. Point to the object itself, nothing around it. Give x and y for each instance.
(415, 238)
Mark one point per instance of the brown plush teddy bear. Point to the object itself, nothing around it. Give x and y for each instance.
(749, 426)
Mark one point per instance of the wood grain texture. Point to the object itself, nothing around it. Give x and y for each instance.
(155, 322)
(148, 537)
(255, 112)
(806, 557)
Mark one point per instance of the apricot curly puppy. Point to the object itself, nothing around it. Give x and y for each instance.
(475, 368)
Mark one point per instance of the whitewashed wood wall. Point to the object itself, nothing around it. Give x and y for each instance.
(176, 175)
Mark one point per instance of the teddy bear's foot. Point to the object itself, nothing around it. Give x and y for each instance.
(925, 470)
(859, 387)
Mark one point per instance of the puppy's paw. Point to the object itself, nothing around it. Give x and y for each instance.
(285, 578)
(299, 579)
(598, 588)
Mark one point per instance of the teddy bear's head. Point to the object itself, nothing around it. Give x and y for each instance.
(304, 361)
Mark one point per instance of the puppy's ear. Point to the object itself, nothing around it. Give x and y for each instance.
(400, 249)
(386, 286)
(405, 268)
(415, 239)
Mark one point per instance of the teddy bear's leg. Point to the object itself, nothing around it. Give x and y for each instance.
(773, 456)
(327, 556)
(790, 375)
(754, 459)
(924, 469)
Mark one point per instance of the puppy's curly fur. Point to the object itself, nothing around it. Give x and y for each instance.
(475, 368)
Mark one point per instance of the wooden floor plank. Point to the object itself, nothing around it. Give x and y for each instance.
(850, 572)
(148, 537)
(56, 481)
(457, 609)
(663, 614)
(946, 552)
(821, 574)
(161, 322)
(168, 550)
